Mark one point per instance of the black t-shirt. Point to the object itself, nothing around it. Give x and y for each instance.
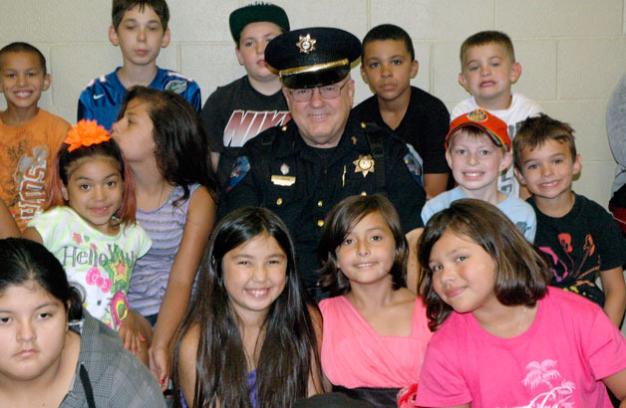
(424, 126)
(579, 245)
(236, 113)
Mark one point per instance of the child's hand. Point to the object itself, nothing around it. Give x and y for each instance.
(160, 364)
(135, 332)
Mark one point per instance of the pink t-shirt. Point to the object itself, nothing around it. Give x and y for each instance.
(558, 362)
(354, 355)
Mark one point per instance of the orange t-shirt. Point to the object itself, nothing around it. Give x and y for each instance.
(27, 152)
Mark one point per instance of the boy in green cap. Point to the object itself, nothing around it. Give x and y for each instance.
(237, 112)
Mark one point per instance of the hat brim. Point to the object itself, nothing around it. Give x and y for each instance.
(494, 138)
(314, 79)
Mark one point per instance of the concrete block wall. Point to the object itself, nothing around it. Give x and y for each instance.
(572, 51)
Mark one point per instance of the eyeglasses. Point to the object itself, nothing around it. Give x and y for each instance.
(326, 92)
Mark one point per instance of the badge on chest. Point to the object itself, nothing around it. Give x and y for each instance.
(364, 164)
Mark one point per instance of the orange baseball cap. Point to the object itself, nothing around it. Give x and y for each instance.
(495, 127)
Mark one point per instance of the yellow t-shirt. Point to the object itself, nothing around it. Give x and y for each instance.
(27, 153)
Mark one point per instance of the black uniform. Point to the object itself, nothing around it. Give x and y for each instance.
(279, 171)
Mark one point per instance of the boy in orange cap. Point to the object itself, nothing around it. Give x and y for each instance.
(478, 149)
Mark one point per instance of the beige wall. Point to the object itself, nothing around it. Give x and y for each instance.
(572, 51)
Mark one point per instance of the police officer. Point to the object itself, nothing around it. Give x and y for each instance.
(301, 170)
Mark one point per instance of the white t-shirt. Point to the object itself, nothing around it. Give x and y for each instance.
(97, 264)
(521, 108)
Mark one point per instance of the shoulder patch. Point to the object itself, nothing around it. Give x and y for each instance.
(176, 85)
(241, 167)
(413, 163)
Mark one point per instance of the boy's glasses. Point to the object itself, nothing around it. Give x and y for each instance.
(326, 92)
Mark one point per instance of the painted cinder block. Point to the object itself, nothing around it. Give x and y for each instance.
(539, 70)
(435, 19)
(446, 66)
(201, 21)
(54, 21)
(211, 65)
(587, 117)
(559, 18)
(589, 68)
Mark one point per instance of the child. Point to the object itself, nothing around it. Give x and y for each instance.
(140, 29)
(579, 237)
(249, 339)
(29, 136)
(54, 354)
(488, 71)
(90, 226)
(417, 117)
(478, 149)
(237, 112)
(503, 337)
(162, 140)
(375, 330)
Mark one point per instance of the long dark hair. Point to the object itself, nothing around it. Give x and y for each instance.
(181, 146)
(522, 275)
(288, 355)
(340, 221)
(24, 260)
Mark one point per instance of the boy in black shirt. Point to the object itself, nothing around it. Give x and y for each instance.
(418, 118)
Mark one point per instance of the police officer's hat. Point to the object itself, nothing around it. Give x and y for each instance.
(312, 57)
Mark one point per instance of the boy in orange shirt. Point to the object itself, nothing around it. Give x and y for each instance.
(29, 135)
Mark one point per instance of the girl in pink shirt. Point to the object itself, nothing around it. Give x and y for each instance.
(503, 338)
(375, 330)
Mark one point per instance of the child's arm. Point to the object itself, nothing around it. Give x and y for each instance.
(200, 219)
(318, 384)
(8, 227)
(136, 332)
(435, 183)
(614, 293)
(617, 384)
(413, 267)
(32, 234)
(187, 363)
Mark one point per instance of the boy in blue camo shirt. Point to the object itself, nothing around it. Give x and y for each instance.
(139, 28)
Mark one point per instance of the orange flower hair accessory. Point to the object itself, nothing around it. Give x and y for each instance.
(85, 133)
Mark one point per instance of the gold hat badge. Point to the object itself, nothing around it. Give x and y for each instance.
(306, 44)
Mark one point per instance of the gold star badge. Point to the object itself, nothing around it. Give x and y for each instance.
(306, 44)
(364, 164)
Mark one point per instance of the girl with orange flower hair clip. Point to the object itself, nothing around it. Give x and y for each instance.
(89, 225)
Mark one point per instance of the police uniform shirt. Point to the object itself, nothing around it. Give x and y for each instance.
(279, 171)
(103, 97)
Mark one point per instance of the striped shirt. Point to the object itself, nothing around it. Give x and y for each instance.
(165, 227)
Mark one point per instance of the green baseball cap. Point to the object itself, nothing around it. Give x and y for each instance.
(254, 13)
